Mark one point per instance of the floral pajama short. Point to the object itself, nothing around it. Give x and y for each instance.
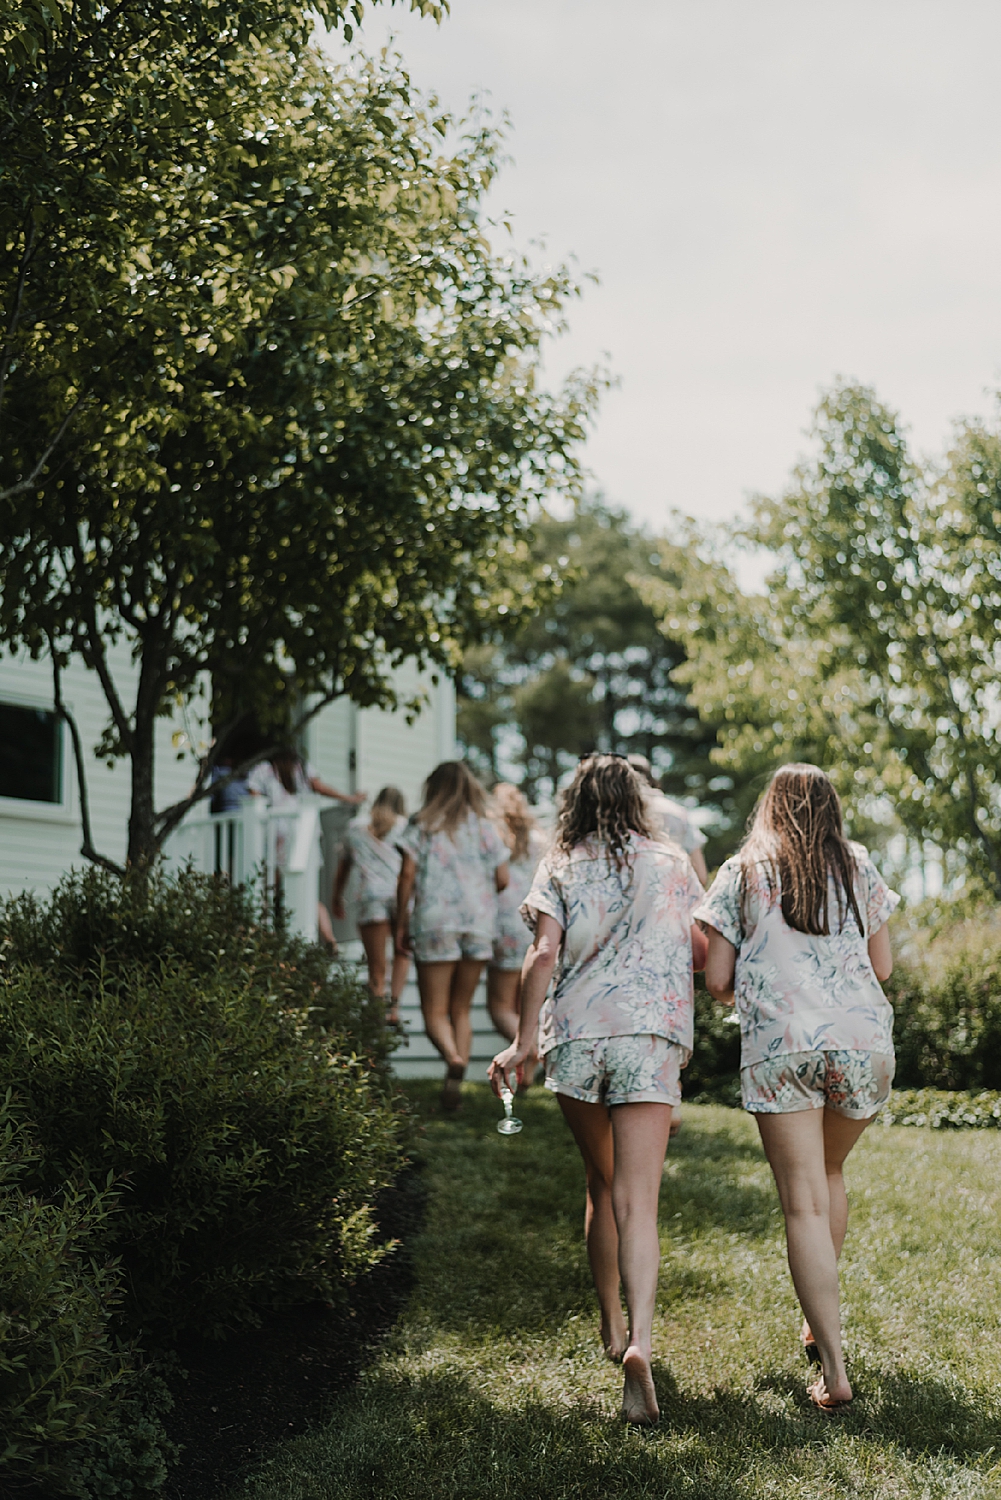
(855, 1084)
(450, 947)
(617, 1070)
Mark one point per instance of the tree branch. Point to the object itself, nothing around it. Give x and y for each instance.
(87, 847)
(166, 821)
(32, 478)
(15, 312)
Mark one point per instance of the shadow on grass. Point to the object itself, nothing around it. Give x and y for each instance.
(503, 1247)
(437, 1435)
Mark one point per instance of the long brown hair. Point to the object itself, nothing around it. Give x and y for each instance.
(605, 799)
(797, 839)
(451, 793)
(387, 807)
(514, 818)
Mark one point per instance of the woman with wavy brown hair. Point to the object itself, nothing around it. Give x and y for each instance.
(614, 905)
(454, 864)
(797, 932)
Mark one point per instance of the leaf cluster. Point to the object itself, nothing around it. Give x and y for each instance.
(876, 650)
(591, 668)
(247, 1143)
(269, 396)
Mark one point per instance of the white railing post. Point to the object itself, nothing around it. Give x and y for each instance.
(302, 871)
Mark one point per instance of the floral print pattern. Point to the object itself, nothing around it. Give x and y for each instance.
(795, 991)
(454, 889)
(375, 870)
(626, 962)
(856, 1084)
(512, 938)
(617, 1070)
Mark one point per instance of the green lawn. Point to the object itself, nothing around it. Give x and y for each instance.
(494, 1385)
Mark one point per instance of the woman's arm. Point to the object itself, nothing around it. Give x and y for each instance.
(721, 961)
(340, 881)
(323, 789)
(502, 877)
(700, 947)
(537, 971)
(879, 953)
(404, 891)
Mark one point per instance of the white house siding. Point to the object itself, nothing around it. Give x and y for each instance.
(40, 841)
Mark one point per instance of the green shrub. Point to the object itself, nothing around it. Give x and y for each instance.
(946, 996)
(247, 1150)
(713, 1074)
(944, 1109)
(201, 922)
(75, 1414)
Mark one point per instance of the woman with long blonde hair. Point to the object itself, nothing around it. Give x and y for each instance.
(613, 903)
(526, 845)
(371, 857)
(797, 933)
(454, 865)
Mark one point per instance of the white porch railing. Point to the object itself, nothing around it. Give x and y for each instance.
(255, 844)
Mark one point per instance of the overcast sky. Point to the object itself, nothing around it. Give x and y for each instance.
(773, 194)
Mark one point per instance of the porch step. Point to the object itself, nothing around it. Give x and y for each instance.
(417, 1058)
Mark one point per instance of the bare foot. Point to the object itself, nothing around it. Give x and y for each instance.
(614, 1337)
(639, 1399)
(830, 1397)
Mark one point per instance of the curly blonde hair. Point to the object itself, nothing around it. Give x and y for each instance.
(797, 841)
(513, 818)
(604, 800)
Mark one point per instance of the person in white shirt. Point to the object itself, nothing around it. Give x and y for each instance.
(797, 933)
(672, 818)
(372, 861)
(282, 780)
(527, 844)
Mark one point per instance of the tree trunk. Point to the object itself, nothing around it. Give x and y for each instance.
(144, 845)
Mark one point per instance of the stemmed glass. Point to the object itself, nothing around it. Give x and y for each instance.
(509, 1125)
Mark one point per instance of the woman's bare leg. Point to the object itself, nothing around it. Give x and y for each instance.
(462, 987)
(799, 1147)
(592, 1130)
(374, 937)
(435, 983)
(641, 1133)
(398, 982)
(503, 986)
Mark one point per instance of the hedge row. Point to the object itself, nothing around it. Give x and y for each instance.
(195, 1125)
(944, 1109)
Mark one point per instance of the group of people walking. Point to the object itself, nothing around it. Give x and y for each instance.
(591, 939)
(793, 931)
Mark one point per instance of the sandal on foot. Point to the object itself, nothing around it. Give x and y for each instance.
(817, 1391)
(810, 1350)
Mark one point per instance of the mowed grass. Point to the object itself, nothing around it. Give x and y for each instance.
(494, 1384)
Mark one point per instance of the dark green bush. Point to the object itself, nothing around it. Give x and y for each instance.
(714, 1070)
(76, 1416)
(946, 995)
(247, 1151)
(200, 922)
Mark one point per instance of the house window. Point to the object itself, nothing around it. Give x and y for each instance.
(30, 754)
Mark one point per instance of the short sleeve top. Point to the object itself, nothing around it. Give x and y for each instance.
(454, 887)
(626, 961)
(674, 819)
(375, 862)
(799, 991)
(264, 780)
(522, 874)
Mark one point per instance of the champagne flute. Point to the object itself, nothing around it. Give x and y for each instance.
(509, 1125)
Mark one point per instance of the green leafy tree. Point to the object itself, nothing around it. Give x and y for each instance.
(306, 434)
(876, 652)
(591, 668)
